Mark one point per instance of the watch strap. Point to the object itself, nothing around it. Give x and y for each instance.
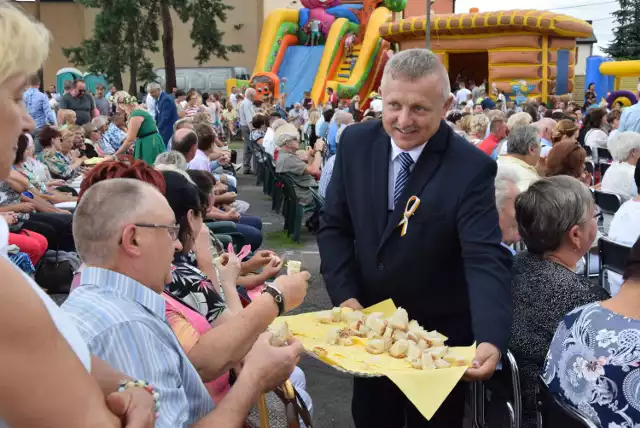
(277, 297)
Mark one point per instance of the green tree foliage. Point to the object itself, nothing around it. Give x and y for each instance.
(124, 32)
(395, 5)
(626, 42)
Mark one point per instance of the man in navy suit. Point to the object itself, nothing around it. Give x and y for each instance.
(449, 270)
(166, 111)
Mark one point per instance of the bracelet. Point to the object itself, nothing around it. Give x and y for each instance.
(126, 384)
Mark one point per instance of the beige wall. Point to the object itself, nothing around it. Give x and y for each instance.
(419, 7)
(70, 23)
(271, 5)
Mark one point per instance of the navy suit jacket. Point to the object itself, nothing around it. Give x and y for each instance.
(449, 271)
(167, 116)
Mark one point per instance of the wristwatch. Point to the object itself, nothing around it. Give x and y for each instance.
(277, 297)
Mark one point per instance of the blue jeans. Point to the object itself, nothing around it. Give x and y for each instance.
(251, 228)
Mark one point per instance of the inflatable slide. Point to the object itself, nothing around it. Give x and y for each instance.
(326, 44)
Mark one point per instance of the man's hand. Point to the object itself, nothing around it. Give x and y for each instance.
(319, 145)
(484, 364)
(293, 288)
(353, 304)
(269, 366)
(135, 407)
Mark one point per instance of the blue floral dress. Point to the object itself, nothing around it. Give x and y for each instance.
(594, 365)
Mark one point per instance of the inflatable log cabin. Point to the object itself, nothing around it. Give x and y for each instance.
(520, 52)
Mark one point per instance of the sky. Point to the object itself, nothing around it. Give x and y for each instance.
(598, 11)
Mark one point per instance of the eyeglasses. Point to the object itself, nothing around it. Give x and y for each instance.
(172, 229)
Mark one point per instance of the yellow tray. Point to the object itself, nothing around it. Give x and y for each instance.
(427, 389)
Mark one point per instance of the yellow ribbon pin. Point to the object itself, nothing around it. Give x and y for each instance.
(412, 205)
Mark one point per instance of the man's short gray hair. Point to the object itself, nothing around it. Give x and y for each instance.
(506, 181)
(549, 208)
(174, 158)
(153, 86)
(518, 119)
(414, 64)
(522, 139)
(104, 210)
(182, 123)
(622, 143)
(249, 92)
(343, 117)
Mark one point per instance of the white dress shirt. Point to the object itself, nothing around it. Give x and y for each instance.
(394, 167)
(151, 106)
(268, 141)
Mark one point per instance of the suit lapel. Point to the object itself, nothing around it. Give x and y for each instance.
(380, 179)
(427, 165)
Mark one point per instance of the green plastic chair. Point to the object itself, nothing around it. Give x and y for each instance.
(293, 211)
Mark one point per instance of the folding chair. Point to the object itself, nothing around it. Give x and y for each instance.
(609, 203)
(613, 257)
(501, 392)
(604, 154)
(554, 413)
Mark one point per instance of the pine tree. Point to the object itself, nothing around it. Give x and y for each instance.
(124, 31)
(205, 35)
(626, 42)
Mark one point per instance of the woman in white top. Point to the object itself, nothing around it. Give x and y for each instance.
(625, 149)
(44, 363)
(268, 142)
(625, 226)
(595, 137)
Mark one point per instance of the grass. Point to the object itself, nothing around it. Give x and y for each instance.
(280, 239)
(236, 145)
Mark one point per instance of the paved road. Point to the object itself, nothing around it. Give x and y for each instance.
(329, 389)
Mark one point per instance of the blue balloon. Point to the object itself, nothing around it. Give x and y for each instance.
(345, 11)
(303, 17)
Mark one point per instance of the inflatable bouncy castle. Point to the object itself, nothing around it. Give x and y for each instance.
(326, 44)
(523, 53)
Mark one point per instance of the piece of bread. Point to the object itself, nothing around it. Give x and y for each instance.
(280, 335)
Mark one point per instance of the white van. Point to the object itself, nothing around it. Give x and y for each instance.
(204, 79)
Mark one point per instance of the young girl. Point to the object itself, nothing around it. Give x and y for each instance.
(68, 118)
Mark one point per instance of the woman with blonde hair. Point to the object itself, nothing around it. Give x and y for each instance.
(47, 367)
(464, 125)
(478, 128)
(565, 131)
(310, 127)
(141, 130)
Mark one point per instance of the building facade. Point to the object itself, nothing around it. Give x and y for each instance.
(70, 23)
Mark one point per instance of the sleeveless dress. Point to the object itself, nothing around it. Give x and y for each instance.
(63, 323)
(149, 143)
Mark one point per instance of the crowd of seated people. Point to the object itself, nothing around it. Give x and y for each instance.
(164, 314)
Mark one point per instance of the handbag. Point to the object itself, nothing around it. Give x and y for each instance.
(281, 408)
(55, 274)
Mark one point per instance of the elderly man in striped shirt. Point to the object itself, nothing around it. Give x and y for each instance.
(126, 233)
(246, 111)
